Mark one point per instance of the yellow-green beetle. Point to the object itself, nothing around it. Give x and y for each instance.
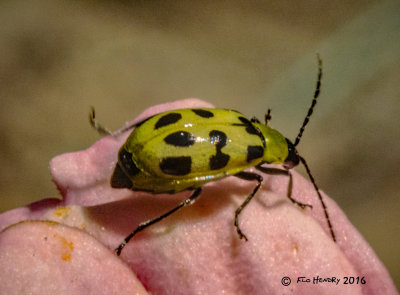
(184, 149)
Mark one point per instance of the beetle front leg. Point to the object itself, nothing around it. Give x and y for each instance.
(277, 171)
(246, 176)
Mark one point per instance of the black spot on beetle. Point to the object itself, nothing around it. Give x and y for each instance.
(126, 162)
(244, 120)
(168, 119)
(124, 170)
(254, 152)
(119, 179)
(218, 138)
(250, 128)
(176, 165)
(180, 138)
(203, 113)
(219, 160)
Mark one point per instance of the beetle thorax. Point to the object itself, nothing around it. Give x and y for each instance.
(276, 148)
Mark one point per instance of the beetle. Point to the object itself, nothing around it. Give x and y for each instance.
(184, 149)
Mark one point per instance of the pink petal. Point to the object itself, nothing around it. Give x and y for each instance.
(197, 249)
(49, 258)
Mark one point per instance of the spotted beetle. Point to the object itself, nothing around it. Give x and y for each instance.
(184, 149)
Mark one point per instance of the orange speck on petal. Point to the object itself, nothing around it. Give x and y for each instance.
(62, 212)
(66, 248)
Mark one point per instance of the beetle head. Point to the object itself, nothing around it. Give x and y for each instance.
(292, 159)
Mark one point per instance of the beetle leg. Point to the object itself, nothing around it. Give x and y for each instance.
(246, 176)
(267, 117)
(277, 171)
(96, 125)
(104, 130)
(149, 222)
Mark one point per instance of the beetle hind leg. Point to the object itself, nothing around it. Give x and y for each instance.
(149, 222)
(246, 176)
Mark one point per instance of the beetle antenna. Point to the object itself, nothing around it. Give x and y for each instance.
(319, 196)
(313, 103)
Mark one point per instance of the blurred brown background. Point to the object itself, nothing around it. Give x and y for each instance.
(59, 57)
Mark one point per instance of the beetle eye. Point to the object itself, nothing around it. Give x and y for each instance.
(292, 159)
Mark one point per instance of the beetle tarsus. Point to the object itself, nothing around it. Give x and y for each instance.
(240, 233)
(118, 250)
